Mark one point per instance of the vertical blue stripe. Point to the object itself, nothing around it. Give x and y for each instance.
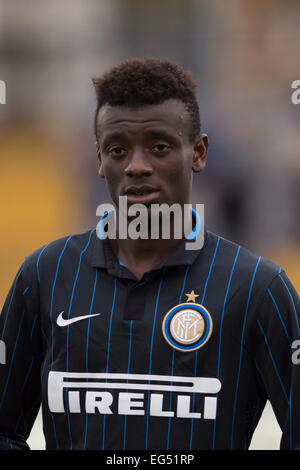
(10, 302)
(33, 326)
(196, 355)
(45, 359)
(52, 295)
(150, 361)
(277, 309)
(51, 322)
(89, 322)
(107, 356)
(128, 370)
(72, 295)
(223, 311)
(38, 262)
(45, 336)
(210, 269)
(193, 406)
(280, 381)
(297, 321)
(221, 328)
(183, 284)
(154, 324)
(170, 406)
(110, 323)
(173, 357)
(241, 350)
(272, 359)
(293, 303)
(87, 349)
(129, 355)
(12, 359)
(54, 430)
(291, 428)
(264, 381)
(68, 329)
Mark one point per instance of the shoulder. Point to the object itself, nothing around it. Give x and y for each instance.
(52, 253)
(243, 263)
(251, 278)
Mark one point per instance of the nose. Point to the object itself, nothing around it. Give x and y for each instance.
(138, 164)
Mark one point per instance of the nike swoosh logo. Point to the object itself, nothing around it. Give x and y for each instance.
(62, 322)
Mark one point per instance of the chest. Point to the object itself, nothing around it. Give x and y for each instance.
(175, 321)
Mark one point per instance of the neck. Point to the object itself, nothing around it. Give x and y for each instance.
(142, 255)
(143, 251)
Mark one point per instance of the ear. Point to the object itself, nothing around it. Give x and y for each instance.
(200, 153)
(100, 166)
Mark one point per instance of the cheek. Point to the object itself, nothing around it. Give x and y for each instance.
(179, 171)
(111, 173)
(112, 179)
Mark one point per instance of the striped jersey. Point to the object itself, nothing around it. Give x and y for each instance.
(184, 358)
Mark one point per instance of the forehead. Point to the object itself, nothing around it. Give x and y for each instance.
(171, 115)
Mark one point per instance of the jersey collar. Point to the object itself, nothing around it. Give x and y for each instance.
(104, 257)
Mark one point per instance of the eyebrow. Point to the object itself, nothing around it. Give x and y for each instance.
(160, 134)
(156, 133)
(112, 135)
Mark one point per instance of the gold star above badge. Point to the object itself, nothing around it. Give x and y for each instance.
(191, 297)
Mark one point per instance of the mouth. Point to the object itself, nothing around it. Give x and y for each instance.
(141, 194)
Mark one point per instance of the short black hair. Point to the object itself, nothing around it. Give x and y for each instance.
(138, 82)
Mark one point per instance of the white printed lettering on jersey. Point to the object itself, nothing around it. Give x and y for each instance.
(131, 403)
(65, 322)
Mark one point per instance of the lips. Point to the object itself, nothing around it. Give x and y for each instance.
(144, 194)
(140, 190)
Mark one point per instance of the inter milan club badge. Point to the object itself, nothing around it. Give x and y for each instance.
(187, 326)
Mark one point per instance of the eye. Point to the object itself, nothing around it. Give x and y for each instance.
(161, 148)
(117, 151)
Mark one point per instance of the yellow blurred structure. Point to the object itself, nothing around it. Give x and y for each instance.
(37, 202)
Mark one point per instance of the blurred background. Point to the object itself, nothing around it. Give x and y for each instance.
(244, 55)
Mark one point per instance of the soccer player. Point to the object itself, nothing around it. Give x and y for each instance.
(141, 343)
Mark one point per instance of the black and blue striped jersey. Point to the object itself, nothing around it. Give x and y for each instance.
(184, 358)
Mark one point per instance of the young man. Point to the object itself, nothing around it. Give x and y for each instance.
(143, 344)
